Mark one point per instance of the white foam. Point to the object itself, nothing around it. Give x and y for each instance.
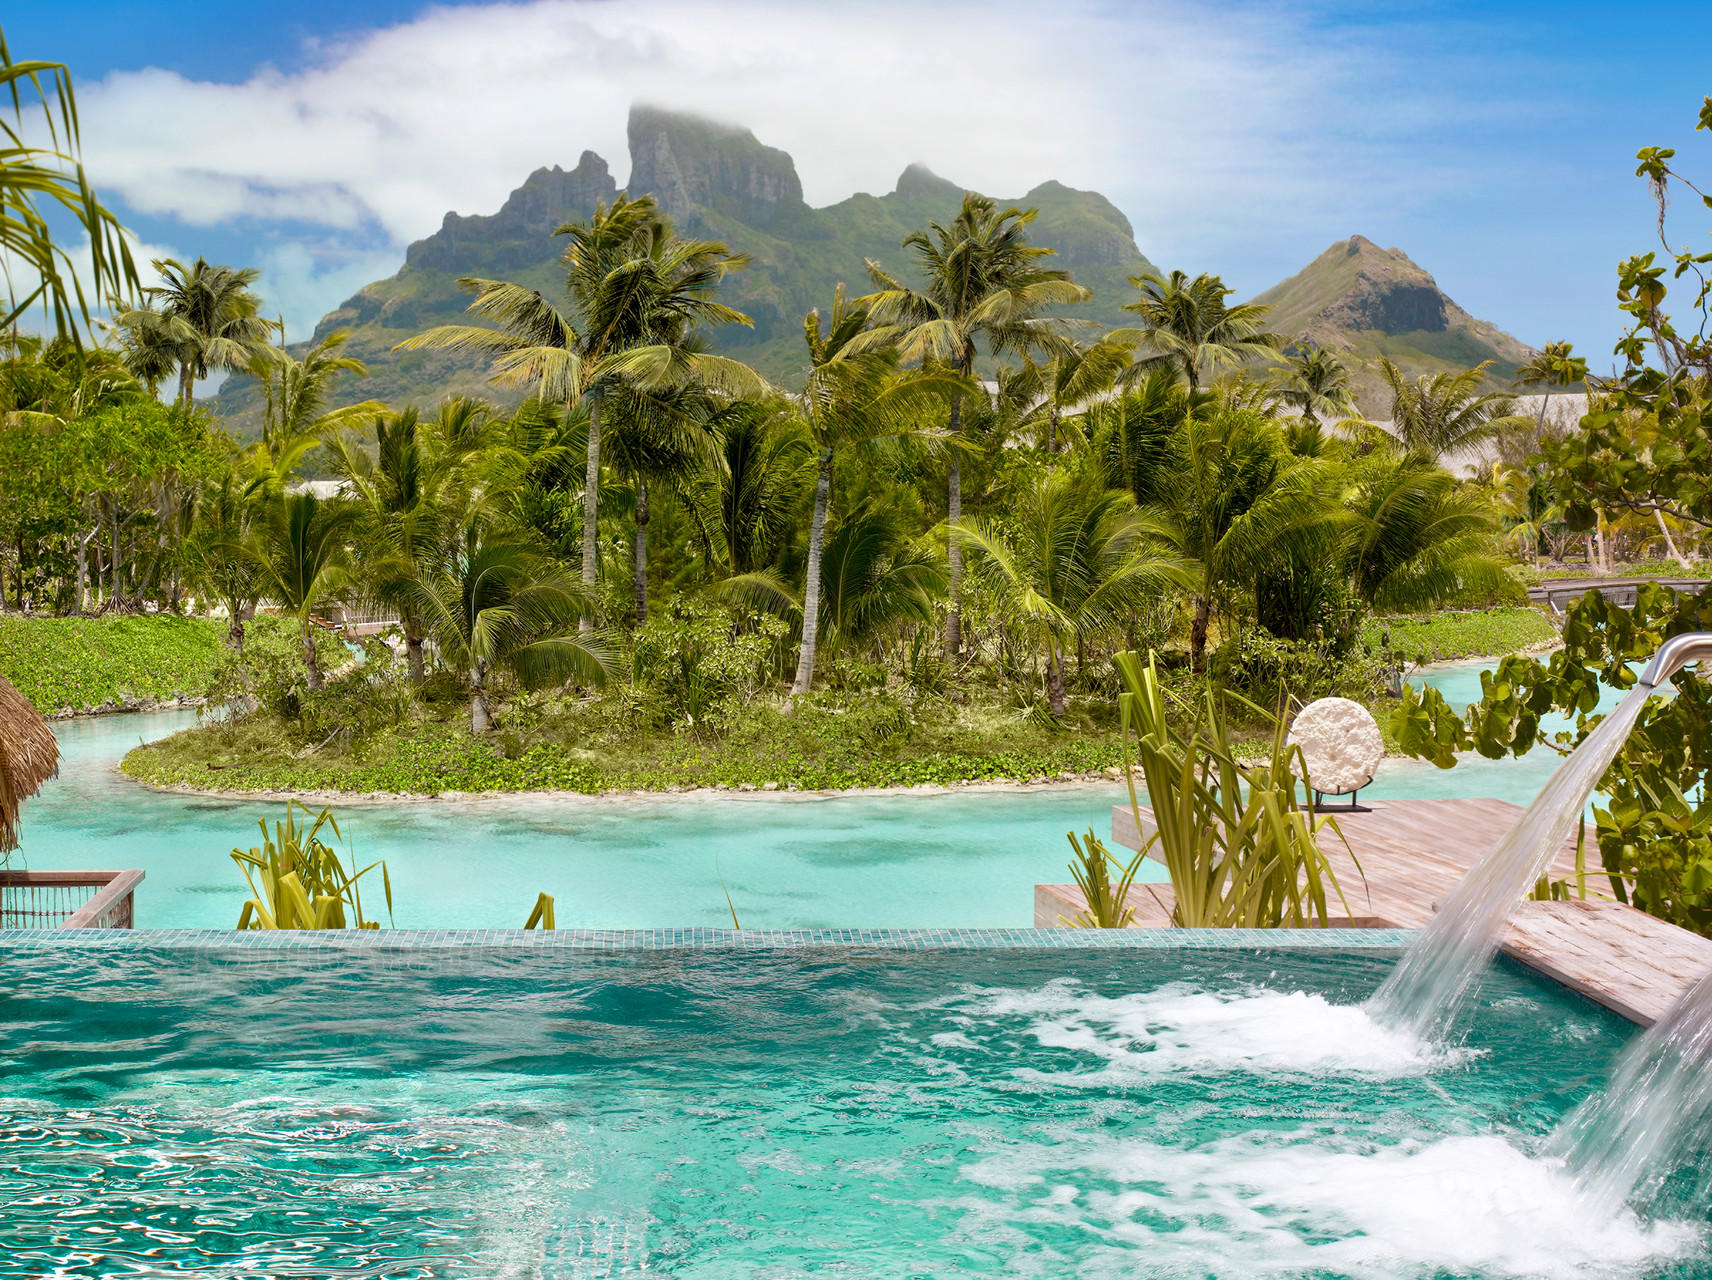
(1246, 1208)
(1177, 1028)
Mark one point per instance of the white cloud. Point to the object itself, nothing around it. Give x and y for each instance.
(1200, 121)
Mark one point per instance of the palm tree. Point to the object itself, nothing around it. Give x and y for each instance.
(1190, 328)
(1417, 536)
(1072, 558)
(41, 179)
(1231, 497)
(493, 602)
(874, 576)
(1076, 374)
(640, 295)
(984, 283)
(1313, 381)
(295, 395)
(304, 559)
(205, 317)
(409, 495)
(1441, 414)
(222, 554)
(854, 394)
(750, 504)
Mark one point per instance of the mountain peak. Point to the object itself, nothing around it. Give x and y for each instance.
(690, 164)
(918, 182)
(1366, 301)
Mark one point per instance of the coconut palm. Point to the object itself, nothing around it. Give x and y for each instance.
(42, 179)
(854, 394)
(1072, 558)
(222, 555)
(984, 283)
(1416, 536)
(295, 393)
(1188, 326)
(410, 495)
(873, 577)
(305, 559)
(203, 318)
(1438, 415)
(1314, 381)
(1073, 376)
(1231, 497)
(640, 295)
(493, 602)
(748, 506)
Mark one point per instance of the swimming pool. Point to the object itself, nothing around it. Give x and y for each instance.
(368, 1108)
(965, 859)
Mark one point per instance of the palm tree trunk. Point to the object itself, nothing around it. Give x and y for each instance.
(1198, 635)
(235, 626)
(481, 717)
(1052, 432)
(186, 385)
(413, 648)
(811, 588)
(1670, 542)
(113, 593)
(1055, 695)
(311, 659)
(954, 552)
(591, 501)
(641, 557)
(82, 573)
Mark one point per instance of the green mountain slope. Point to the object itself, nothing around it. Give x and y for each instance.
(714, 181)
(1364, 302)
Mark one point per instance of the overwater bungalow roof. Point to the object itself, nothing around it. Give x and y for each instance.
(29, 756)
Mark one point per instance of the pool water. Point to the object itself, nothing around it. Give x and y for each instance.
(964, 859)
(831, 1112)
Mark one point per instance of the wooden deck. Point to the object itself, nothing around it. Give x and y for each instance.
(1413, 851)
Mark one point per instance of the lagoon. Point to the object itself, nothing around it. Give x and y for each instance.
(964, 859)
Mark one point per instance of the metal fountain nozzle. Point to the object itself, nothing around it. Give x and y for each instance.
(1675, 654)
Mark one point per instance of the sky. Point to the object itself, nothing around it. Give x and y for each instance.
(1492, 142)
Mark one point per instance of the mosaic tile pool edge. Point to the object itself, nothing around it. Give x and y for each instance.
(1378, 940)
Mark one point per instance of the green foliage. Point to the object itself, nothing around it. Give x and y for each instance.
(297, 881)
(1655, 827)
(1276, 672)
(1451, 636)
(1238, 840)
(541, 914)
(80, 664)
(1092, 868)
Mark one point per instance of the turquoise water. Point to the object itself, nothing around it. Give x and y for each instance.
(844, 1112)
(966, 859)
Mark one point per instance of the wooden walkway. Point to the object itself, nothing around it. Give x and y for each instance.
(1559, 593)
(1413, 851)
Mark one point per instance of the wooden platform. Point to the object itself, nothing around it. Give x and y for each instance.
(1413, 851)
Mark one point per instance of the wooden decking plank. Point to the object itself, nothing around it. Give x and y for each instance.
(1412, 852)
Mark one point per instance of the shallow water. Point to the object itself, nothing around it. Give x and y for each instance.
(966, 859)
(853, 1113)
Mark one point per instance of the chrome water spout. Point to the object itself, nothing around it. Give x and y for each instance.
(1675, 654)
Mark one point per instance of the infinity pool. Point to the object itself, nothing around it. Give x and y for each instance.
(787, 1112)
(965, 859)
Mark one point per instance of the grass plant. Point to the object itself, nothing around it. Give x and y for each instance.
(1239, 841)
(297, 880)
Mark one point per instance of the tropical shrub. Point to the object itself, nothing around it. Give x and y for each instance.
(1092, 870)
(297, 881)
(1239, 841)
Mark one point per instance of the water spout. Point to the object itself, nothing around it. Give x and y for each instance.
(1434, 977)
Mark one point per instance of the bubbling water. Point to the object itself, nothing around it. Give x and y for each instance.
(1431, 982)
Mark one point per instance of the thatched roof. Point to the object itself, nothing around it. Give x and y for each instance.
(29, 756)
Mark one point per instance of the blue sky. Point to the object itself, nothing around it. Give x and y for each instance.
(1493, 143)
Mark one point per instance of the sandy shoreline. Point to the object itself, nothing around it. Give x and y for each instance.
(1084, 781)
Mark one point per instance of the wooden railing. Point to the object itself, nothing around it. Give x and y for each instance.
(68, 899)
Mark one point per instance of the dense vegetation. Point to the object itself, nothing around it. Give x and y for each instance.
(92, 664)
(1643, 451)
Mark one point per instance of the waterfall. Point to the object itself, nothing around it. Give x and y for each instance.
(1650, 1119)
(1426, 989)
